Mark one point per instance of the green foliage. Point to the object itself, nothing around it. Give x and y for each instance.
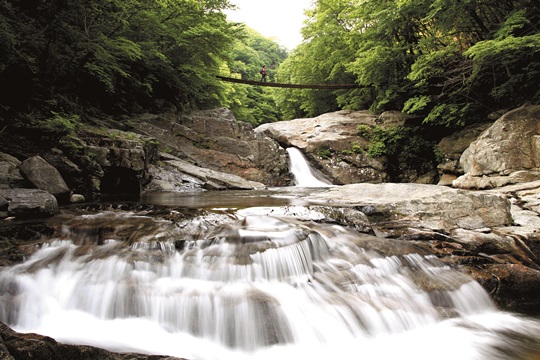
(416, 104)
(325, 153)
(61, 123)
(250, 52)
(71, 145)
(405, 147)
(118, 57)
(449, 61)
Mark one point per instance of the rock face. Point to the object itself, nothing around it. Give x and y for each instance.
(113, 165)
(330, 134)
(45, 177)
(510, 145)
(215, 140)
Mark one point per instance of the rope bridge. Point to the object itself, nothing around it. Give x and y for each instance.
(290, 86)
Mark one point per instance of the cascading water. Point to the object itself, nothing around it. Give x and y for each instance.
(246, 285)
(302, 171)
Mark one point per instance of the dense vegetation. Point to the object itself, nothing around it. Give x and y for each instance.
(67, 58)
(447, 61)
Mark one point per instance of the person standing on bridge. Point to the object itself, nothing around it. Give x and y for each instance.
(263, 73)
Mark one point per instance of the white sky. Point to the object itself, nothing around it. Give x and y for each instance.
(281, 19)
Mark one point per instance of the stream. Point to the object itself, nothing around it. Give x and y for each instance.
(251, 275)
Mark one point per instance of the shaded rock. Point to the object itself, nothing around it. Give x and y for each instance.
(28, 203)
(214, 139)
(166, 177)
(393, 118)
(16, 345)
(45, 177)
(77, 199)
(10, 176)
(160, 185)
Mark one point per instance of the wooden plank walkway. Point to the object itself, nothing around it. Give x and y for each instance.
(290, 86)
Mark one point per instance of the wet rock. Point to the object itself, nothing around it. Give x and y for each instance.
(3, 203)
(45, 177)
(512, 286)
(14, 345)
(160, 185)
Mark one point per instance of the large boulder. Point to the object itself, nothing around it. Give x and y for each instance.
(329, 142)
(29, 203)
(215, 140)
(511, 144)
(45, 177)
(452, 147)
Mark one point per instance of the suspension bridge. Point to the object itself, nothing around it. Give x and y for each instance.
(288, 85)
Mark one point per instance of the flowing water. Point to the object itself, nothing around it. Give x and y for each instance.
(303, 173)
(265, 279)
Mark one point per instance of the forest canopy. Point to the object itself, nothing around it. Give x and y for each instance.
(447, 61)
(112, 56)
(443, 60)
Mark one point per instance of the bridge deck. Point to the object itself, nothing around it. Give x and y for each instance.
(291, 86)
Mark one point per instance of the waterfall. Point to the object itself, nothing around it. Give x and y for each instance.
(250, 287)
(303, 173)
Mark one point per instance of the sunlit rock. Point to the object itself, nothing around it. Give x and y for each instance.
(432, 205)
(333, 133)
(511, 144)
